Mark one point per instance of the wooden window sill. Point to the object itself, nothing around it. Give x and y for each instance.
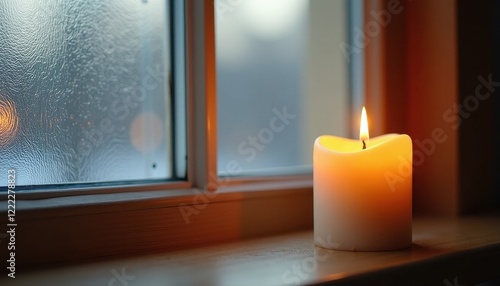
(86, 227)
(445, 251)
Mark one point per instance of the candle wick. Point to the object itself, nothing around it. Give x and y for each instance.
(364, 144)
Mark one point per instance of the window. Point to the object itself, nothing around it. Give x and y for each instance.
(103, 99)
(87, 91)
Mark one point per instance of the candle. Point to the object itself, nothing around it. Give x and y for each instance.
(363, 191)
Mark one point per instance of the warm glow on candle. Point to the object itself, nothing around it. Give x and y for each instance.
(363, 126)
(363, 194)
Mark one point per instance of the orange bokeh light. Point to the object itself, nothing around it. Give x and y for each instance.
(9, 121)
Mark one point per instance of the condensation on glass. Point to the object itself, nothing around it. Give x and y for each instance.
(281, 82)
(84, 93)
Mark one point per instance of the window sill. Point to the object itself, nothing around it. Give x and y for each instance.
(85, 227)
(446, 251)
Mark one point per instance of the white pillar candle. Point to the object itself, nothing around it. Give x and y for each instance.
(363, 197)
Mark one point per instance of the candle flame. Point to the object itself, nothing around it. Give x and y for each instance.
(363, 126)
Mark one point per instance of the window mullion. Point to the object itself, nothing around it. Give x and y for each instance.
(202, 94)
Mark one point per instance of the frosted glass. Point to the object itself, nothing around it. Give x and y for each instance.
(84, 94)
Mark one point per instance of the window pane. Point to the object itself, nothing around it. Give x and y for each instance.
(83, 90)
(282, 81)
